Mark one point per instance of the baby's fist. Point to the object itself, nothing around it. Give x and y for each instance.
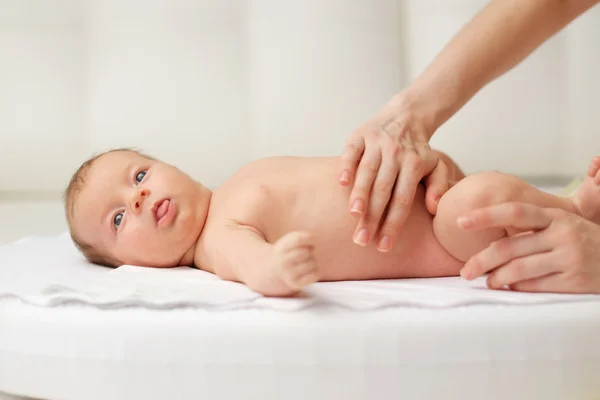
(294, 260)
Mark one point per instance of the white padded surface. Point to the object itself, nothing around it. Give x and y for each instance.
(73, 350)
(49, 271)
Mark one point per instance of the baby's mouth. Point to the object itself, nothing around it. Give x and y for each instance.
(160, 209)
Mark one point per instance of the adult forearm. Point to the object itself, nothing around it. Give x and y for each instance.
(499, 37)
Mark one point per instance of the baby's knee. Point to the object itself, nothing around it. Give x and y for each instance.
(483, 190)
(477, 191)
(473, 192)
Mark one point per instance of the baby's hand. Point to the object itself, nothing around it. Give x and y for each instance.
(294, 260)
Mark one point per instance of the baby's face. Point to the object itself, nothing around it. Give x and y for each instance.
(140, 211)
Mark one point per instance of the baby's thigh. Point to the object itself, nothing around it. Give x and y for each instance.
(473, 192)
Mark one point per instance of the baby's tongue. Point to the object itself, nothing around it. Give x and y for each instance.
(162, 210)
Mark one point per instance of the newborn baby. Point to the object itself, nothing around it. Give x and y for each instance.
(279, 224)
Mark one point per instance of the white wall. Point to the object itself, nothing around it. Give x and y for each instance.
(540, 119)
(210, 85)
(582, 50)
(170, 78)
(43, 100)
(317, 69)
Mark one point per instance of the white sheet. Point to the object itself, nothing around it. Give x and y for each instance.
(50, 271)
(392, 339)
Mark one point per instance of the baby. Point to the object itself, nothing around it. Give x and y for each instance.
(279, 224)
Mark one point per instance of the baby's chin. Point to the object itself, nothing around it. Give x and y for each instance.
(157, 263)
(153, 261)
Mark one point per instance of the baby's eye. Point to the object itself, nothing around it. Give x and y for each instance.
(117, 219)
(139, 177)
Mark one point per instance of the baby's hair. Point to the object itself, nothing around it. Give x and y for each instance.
(70, 195)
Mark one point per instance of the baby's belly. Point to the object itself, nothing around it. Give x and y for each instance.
(417, 253)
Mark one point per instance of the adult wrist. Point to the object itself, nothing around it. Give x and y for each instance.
(409, 107)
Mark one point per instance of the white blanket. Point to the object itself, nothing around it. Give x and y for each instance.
(49, 271)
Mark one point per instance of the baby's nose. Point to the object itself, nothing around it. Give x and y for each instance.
(138, 200)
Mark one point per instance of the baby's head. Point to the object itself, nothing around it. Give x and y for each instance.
(123, 207)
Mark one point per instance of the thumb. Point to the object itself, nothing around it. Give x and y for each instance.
(436, 184)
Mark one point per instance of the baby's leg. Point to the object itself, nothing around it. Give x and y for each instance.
(482, 190)
(587, 198)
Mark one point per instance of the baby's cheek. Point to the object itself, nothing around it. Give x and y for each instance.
(144, 239)
(154, 241)
(142, 244)
(141, 248)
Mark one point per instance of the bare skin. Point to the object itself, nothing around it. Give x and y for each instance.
(560, 255)
(290, 233)
(280, 224)
(386, 157)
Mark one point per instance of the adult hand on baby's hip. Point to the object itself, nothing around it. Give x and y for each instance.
(384, 161)
(558, 251)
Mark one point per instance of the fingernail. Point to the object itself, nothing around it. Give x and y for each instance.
(464, 222)
(344, 176)
(357, 207)
(384, 244)
(361, 237)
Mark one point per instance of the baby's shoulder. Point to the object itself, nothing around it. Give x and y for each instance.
(258, 179)
(246, 194)
(279, 169)
(262, 186)
(250, 182)
(266, 166)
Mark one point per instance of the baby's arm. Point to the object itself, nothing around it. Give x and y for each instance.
(282, 268)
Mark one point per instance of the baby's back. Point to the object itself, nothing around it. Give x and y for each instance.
(302, 194)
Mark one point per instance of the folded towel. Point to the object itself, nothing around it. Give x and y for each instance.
(49, 271)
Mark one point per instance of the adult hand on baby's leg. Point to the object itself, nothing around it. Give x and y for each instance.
(294, 260)
(560, 253)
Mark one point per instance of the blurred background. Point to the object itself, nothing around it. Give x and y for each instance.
(210, 85)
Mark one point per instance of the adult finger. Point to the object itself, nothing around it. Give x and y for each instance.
(401, 202)
(436, 184)
(365, 176)
(520, 216)
(523, 269)
(553, 283)
(380, 197)
(355, 146)
(502, 251)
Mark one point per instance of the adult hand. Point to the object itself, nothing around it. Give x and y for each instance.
(557, 251)
(384, 160)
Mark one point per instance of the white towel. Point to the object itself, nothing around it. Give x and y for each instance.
(49, 271)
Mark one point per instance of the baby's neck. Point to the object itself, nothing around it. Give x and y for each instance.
(188, 257)
(194, 256)
(200, 260)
